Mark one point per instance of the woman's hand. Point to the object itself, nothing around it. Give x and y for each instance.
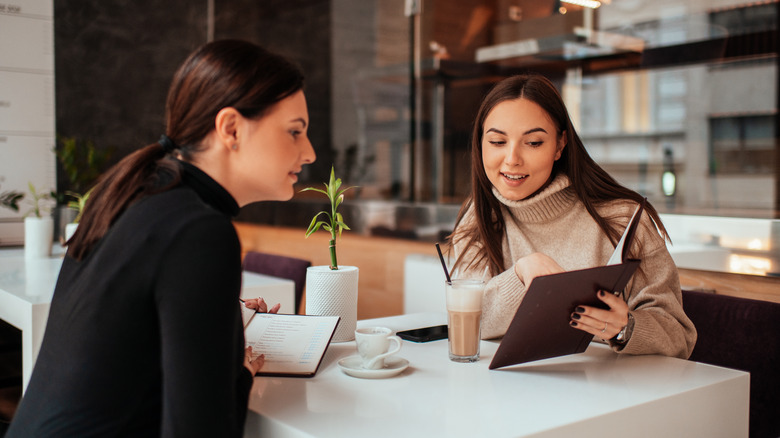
(259, 305)
(605, 324)
(253, 365)
(534, 265)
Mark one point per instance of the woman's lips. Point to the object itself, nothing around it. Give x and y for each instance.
(513, 179)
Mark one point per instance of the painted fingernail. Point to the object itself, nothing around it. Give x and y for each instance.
(575, 315)
(601, 293)
(579, 309)
(573, 323)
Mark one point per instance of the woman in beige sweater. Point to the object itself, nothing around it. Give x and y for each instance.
(540, 205)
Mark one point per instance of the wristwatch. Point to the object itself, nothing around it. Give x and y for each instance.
(625, 333)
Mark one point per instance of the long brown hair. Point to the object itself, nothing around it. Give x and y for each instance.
(592, 185)
(220, 74)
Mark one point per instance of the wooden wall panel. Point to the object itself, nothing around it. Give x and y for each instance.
(737, 285)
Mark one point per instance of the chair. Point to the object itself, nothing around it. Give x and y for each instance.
(10, 356)
(280, 266)
(743, 334)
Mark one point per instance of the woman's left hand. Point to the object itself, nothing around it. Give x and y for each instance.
(253, 365)
(605, 324)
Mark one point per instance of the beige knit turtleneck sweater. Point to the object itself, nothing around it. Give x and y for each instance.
(556, 223)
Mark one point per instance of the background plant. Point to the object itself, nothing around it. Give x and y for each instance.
(40, 202)
(10, 199)
(81, 161)
(78, 203)
(335, 222)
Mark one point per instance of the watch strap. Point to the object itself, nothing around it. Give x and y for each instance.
(625, 333)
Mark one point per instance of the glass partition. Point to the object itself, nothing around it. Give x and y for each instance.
(677, 100)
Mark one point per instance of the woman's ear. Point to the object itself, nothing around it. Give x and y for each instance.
(226, 126)
(562, 141)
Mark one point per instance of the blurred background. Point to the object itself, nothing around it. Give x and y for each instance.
(676, 99)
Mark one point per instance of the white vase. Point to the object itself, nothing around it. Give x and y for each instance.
(335, 293)
(69, 230)
(38, 236)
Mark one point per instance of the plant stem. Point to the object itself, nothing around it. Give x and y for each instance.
(334, 266)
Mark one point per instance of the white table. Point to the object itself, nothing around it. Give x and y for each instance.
(596, 394)
(27, 286)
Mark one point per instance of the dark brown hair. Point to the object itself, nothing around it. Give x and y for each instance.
(220, 74)
(592, 185)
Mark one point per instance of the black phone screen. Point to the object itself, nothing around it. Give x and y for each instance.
(424, 334)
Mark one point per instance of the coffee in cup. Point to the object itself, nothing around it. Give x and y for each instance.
(464, 314)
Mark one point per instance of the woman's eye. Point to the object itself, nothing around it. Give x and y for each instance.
(295, 133)
(497, 142)
(535, 144)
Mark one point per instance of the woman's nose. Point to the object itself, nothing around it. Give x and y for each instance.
(308, 153)
(514, 156)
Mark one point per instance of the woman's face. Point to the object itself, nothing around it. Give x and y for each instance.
(519, 146)
(273, 150)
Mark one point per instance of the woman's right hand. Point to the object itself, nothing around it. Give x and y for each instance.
(533, 265)
(259, 305)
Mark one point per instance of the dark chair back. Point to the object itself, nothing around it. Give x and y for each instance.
(279, 266)
(743, 334)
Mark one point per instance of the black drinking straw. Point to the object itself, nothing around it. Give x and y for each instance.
(443, 265)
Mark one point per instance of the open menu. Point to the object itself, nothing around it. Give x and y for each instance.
(540, 328)
(293, 345)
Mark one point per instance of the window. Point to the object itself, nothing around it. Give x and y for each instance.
(742, 145)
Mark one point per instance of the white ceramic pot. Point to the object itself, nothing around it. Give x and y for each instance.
(38, 236)
(335, 293)
(69, 230)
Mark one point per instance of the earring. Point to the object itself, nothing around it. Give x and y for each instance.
(235, 146)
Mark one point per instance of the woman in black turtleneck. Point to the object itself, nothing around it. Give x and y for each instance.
(144, 336)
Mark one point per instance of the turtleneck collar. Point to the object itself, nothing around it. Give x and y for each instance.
(555, 199)
(209, 190)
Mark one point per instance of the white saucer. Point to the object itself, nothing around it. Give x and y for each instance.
(353, 366)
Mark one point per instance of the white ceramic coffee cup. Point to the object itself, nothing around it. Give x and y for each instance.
(373, 344)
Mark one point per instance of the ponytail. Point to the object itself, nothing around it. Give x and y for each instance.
(144, 172)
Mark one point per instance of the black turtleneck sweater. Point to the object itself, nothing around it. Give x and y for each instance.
(144, 336)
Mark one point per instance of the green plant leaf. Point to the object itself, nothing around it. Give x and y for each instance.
(314, 190)
(11, 200)
(314, 225)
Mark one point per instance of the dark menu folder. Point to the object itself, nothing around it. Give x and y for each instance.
(540, 328)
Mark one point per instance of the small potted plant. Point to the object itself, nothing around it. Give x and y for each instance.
(335, 221)
(77, 204)
(80, 164)
(38, 224)
(332, 290)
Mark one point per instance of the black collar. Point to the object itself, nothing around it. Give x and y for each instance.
(209, 190)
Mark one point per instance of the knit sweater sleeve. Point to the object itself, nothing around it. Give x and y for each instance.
(503, 292)
(655, 301)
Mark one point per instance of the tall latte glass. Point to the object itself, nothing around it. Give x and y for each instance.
(464, 312)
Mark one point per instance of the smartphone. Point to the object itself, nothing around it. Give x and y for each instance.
(424, 334)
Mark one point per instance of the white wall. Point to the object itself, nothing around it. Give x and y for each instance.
(27, 110)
